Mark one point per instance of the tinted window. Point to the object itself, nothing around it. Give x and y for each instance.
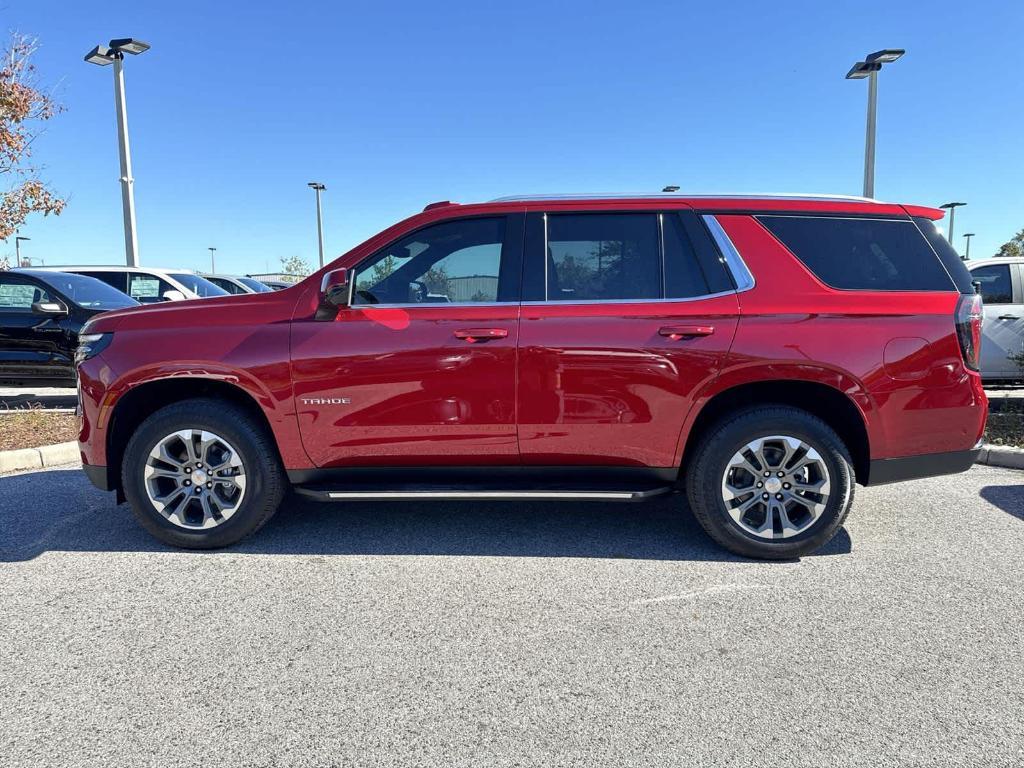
(116, 280)
(996, 287)
(226, 285)
(603, 256)
(88, 292)
(454, 261)
(862, 254)
(256, 285)
(200, 286)
(683, 274)
(16, 296)
(947, 254)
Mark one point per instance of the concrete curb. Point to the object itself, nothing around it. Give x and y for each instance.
(1001, 456)
(37, 458)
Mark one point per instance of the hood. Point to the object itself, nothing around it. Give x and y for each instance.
(238, 309)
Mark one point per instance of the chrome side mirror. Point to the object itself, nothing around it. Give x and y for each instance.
(49, 308)
(334, 288)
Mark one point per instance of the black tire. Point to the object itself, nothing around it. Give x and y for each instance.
(724, 439)
(266, 481)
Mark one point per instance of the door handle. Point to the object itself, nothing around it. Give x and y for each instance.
(474, 335)
(1009, 317)
(677, 332)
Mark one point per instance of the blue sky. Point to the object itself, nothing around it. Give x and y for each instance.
(397, 104)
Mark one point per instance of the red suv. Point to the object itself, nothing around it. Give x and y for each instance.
(761, 353)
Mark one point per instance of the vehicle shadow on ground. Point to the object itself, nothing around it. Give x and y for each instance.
(15, 399)
(1009, 498)
(61, 511)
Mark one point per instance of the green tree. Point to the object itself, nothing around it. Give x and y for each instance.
(295, 266)
(23, 108)
(1013, 248)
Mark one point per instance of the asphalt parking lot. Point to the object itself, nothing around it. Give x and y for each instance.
(513, 634)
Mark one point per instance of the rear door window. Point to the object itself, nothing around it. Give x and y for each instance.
(996, 284)
(862, 253)
(603, 256)
(683, 274)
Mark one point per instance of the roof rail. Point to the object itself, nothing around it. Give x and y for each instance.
(685, 195)
(438, 204)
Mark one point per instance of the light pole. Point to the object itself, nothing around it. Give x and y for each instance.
(968, 237)
(952, 217)
(17, 248)
(102, 55)
(318, 188)
(869, 68)
(213, 266)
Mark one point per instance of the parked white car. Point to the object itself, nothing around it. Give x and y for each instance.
(1002, 289)
(149, 284)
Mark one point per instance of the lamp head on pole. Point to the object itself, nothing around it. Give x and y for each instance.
(128, 45)
(101, 55)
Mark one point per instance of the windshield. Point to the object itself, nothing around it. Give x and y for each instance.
(200, 286)
(88, 292)
(256, 285)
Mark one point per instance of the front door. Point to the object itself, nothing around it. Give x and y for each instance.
(1003, 327)
(421, 367)
(626, 315)
(32, 346)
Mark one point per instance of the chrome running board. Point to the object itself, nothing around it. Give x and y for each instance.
(328, 494)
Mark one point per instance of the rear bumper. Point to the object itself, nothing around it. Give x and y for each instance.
(98, 476)
(883, 471)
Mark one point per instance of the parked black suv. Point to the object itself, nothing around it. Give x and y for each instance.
(41, 313)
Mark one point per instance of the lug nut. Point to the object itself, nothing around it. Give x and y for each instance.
(199, 465)
(767, 474)
(209, 485)
(188, 482)
(781, 474)
(778, 496)
(760, 485)
(188, 470)
(786, 486)
(199, 489)
(764, 496)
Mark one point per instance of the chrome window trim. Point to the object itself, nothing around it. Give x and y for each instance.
(594, 302)
(741, 274)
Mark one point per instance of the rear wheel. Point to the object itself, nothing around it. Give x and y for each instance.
(771, 482)
(202, 474)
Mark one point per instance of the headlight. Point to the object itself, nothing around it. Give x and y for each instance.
(91, 344)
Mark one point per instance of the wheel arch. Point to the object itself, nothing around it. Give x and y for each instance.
(142, 400)
(833, 406)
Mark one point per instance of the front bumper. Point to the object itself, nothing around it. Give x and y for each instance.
(883, 471)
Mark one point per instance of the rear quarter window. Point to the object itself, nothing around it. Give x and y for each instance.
(862, 254)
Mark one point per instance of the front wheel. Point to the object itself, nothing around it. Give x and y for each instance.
(772, 482)
(202, 474)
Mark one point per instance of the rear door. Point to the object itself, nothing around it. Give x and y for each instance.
(1003, 327)
(626, 315)
(31, 346)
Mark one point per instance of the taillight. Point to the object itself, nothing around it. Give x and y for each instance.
(968, 328)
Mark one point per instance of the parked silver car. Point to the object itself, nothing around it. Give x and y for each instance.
(1002, 289)
(237, 283)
